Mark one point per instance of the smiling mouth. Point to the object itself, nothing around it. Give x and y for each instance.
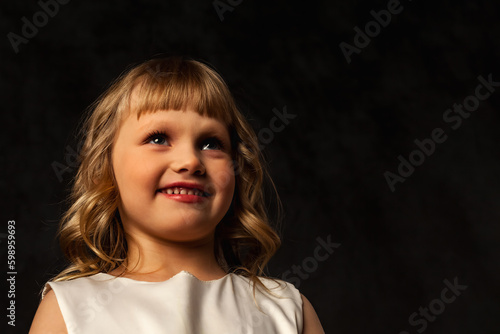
(184, 191)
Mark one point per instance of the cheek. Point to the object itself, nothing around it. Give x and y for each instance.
(225, 179)
(134, 175)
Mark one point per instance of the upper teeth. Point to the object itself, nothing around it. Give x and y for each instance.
(183, 191)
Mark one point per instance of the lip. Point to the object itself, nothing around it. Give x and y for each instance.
(185, 197)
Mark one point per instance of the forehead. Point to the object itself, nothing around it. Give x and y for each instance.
(145, 113)
(149, 95)
(186, 119)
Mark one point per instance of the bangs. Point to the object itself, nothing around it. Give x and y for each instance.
(179, 84)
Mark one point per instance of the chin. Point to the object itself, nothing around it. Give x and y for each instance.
(186, 230)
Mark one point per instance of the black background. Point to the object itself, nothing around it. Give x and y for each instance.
(353, 121)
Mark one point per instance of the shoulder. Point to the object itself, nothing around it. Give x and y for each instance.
(280, 290)
(310, 321)
(48, 317)
(276, 284)
(57, 298)
(312, 325)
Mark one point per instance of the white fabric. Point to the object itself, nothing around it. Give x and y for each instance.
(182, 304)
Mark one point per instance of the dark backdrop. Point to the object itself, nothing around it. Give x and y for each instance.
(351, 121)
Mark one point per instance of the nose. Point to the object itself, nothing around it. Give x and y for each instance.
(187, 160)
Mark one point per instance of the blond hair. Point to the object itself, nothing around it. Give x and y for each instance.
(91, 234)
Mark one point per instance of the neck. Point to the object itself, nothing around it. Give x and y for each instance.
(158, 260)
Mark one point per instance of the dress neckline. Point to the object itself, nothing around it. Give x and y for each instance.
(182, 272)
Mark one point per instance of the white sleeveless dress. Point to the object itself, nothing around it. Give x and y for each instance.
(182, 304)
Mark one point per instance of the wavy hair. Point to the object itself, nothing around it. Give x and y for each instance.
(91, 233)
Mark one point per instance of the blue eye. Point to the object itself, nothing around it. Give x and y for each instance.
(212, 144)
(157, 138)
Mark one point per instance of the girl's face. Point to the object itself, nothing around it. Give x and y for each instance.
(174, 174)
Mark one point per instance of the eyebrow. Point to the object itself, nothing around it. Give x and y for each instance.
(210, 129)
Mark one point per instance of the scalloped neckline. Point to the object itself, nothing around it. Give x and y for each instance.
(185, 272)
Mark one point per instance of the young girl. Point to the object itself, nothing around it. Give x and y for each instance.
(167, 232)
